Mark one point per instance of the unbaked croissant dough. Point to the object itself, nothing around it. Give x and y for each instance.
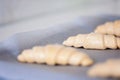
(93, 41)
(55, 54)
(109, 28)
(110, 68)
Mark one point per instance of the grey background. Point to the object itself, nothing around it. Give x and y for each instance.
(12, 10)
(27, 15)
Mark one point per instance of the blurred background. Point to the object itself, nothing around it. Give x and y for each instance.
(26, 15)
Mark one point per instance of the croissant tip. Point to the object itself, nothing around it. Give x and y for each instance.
(20, 58)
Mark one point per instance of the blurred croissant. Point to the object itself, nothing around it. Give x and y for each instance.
(112, 28)
(110, 68)
(55, 54)
(93, 41)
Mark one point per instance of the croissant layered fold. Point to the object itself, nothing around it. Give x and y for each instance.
(93, 41)
(112, 28)
(55, 54)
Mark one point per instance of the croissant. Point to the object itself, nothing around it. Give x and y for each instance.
(109, 28)
(93, 41)
(55, 54)
(110, 68)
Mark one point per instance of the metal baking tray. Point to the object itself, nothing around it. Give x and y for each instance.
(11, 69)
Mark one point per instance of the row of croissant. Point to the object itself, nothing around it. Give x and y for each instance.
(105, 36)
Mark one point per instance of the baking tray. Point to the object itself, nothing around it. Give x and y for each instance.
(11, 69)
